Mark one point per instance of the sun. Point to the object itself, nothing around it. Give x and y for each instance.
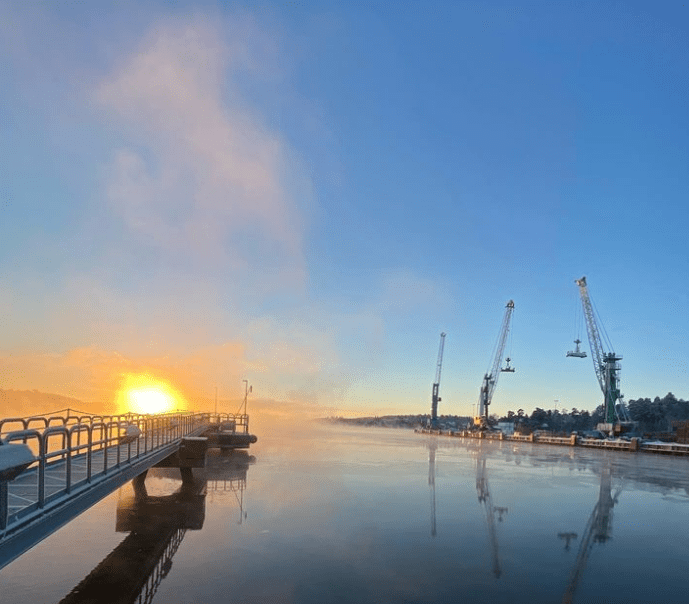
(142, 393)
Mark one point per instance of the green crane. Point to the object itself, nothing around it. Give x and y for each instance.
(606, 364)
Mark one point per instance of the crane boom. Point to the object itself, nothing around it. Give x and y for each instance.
(597, 352)
(435, 398)
(490, 379)
(605, 364)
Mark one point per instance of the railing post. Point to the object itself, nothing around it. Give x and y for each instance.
(4, 505)
(68, 470)
(88, 454)
(41, 473)
(104, 439)
(119, 449)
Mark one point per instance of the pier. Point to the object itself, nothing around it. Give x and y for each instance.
(52, 468)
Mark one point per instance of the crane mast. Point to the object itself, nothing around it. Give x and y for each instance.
(490, 379)
(435, 398)
(605, 364)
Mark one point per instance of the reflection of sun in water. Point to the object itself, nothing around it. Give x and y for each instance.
(142, 393)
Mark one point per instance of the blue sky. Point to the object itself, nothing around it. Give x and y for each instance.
(305, 194)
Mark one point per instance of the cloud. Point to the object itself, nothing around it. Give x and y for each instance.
(202, 174)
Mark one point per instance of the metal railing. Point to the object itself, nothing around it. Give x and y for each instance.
(75, 451)
(239, 421)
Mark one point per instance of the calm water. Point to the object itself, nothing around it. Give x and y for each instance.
(345, 515)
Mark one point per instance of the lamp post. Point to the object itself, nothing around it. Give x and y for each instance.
(247, 389)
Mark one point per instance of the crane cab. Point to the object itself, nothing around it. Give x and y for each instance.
(577, 352)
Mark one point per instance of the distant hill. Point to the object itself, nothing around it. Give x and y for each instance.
(23, 403)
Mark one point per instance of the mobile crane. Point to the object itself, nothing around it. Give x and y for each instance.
(606, 366)
(490, 379)
(435, 395)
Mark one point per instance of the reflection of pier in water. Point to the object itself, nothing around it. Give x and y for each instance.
(133, 571)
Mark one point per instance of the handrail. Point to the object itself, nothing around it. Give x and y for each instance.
(102, 434)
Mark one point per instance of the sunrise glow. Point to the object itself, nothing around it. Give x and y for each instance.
(142, 393)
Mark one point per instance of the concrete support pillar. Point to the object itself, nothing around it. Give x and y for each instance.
(573, 440)
(139, 484)
(187, 475)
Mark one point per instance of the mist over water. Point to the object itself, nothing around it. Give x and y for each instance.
(323, 514)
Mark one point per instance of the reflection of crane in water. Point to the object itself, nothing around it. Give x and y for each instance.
(484, 498)
(432, 446)
(133, 571)
(598, 530)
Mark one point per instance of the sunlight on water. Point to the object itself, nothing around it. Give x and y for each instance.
(354, 515)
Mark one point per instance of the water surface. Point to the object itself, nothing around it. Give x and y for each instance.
(375, 515)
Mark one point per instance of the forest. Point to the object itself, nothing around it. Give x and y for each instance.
(657, 415)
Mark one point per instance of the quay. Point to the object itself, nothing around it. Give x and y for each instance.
(632, 445)
(54, 467)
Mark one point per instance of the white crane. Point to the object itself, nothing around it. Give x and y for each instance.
(435, 398)
(490, 379)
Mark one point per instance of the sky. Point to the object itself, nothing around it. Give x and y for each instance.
(304, 195)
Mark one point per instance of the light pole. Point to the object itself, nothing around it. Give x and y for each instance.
(247, 389)
(216, 400)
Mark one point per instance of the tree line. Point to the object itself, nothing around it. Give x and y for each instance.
(657, 415)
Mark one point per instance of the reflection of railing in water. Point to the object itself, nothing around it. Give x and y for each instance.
(134, 570)
(223, 478)
(162, 568)
(234, 486)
